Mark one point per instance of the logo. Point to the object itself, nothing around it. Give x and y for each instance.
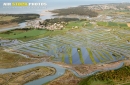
(24, 4)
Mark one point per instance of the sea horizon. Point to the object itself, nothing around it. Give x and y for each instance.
(51, 5)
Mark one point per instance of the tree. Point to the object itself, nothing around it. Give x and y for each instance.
(25, 36)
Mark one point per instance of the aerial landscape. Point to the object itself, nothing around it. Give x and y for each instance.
(80, 43)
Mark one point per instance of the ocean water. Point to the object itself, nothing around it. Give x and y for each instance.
(51, 4)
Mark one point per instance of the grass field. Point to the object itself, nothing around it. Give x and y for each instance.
(123, 25)
(16, 34)
(30, 33)
(67, 79)
(112, 24)
(10, 59)
(6, 18)
(117, 77)
(25, 76)
(126, 84)
(102, 23)
(35, 33)
(77, 23)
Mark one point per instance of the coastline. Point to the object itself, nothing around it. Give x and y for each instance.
(76, 71)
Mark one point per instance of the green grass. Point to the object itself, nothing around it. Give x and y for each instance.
(6, 18)
(114, 77)
(112, 24)
(126, 84)
(69, 51)
(80, 55)
(30, 33)
(20, 34)
(91, 55)
(102, 23)
(95, 83)
(63, 58)
(9, 59)
(76, 23)
(102, 55)
(123, 25)
(100, 83)
(35, 33)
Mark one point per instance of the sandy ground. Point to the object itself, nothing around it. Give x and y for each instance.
(87, 69)
(67, 79)
(20, 62)
(70, 79)
(22, 77)
(46, 12)
(128, 24)
(9, 25)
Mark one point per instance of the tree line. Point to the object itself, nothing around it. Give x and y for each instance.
(19, 18)
(58, 20)
(83, 11)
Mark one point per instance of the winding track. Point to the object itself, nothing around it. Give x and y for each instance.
(59, 71)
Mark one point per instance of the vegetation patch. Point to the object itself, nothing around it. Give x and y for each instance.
(63, 57)
(22, 34)
(8, 60)
(67, 79)
(91, 55)
(112, 24)
(26, 34)
(22, 77)
(123, 25)
(69, 51)
(76, 11)
(102, 23)
(16, 18)
(113, 77)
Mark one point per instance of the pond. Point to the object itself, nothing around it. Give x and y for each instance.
(85, 56)
(75, 56)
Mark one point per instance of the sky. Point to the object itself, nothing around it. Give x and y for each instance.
(52, 4)
(64, 0)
